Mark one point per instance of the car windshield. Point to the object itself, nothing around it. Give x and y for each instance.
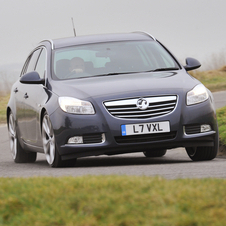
(111, 58)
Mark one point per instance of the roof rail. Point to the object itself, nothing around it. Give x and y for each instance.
(142, 32)
(50, 41)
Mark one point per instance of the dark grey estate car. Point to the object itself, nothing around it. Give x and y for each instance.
(108, 94)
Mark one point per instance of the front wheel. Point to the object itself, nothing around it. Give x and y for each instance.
(203, 153)
(49, 144)
(18, 153)
(155, 153)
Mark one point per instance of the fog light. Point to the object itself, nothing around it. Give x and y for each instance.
(75, 140)
(205, 128)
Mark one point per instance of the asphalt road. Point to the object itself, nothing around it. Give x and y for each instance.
(175, 164)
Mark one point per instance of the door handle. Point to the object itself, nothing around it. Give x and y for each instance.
(26, 96)
(15, 90)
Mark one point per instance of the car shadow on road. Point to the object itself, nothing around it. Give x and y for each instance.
(126, 161)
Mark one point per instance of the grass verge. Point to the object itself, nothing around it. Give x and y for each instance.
(112, 200)
(214, 80)
(3, 104)
(221, 118)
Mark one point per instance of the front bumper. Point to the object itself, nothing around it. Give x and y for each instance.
(69, 125)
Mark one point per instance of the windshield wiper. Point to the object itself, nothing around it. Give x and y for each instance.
(122, 73)
(116, 73)
(134, 72)
(166, 69)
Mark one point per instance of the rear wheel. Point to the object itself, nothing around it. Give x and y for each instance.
(19, 155)
(49, 144)
(203, 153)
(155, 153)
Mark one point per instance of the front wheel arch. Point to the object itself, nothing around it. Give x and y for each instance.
(43, 112)
(8, 111)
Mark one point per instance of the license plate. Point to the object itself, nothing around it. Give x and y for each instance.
(145, 128)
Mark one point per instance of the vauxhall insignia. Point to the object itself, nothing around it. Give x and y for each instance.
(142, 103)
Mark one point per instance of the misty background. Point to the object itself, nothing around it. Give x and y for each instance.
(189, 28)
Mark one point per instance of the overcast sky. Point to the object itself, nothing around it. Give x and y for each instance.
(189, 28)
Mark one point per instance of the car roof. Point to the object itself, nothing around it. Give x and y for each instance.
(88, 39)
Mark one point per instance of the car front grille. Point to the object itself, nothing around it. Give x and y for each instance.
(128, 109)
(145, 138)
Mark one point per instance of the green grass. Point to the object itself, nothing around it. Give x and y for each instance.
(214, 80)
(3, 104)
(221, 118)
(112, 200)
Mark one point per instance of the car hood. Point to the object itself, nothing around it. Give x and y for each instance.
(125, 85)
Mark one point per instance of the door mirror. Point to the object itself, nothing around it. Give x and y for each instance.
(191, 64)
(32, 78)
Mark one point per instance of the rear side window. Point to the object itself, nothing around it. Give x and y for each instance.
(40, 66)
(36, 62)
(33, 60)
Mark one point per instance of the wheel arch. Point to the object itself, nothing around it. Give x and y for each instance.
(8, 110)
(43, 111)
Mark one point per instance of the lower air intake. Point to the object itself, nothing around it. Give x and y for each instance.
(145, 138)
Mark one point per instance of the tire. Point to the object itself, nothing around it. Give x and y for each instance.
(204, 153)
(49, 145)
(155, 153)
(18, 153)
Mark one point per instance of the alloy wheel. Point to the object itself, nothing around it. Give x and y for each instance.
(48, 139)
(12, 136)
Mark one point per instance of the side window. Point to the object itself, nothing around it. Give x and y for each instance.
(25, 66)
(40, 67)
(33, 61)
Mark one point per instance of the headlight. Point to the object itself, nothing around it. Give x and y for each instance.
(76, 106)
(197, 95)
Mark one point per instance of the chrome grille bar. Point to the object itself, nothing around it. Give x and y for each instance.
(144, 116)
(134, 101)
(128, 109)
(139, 111)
